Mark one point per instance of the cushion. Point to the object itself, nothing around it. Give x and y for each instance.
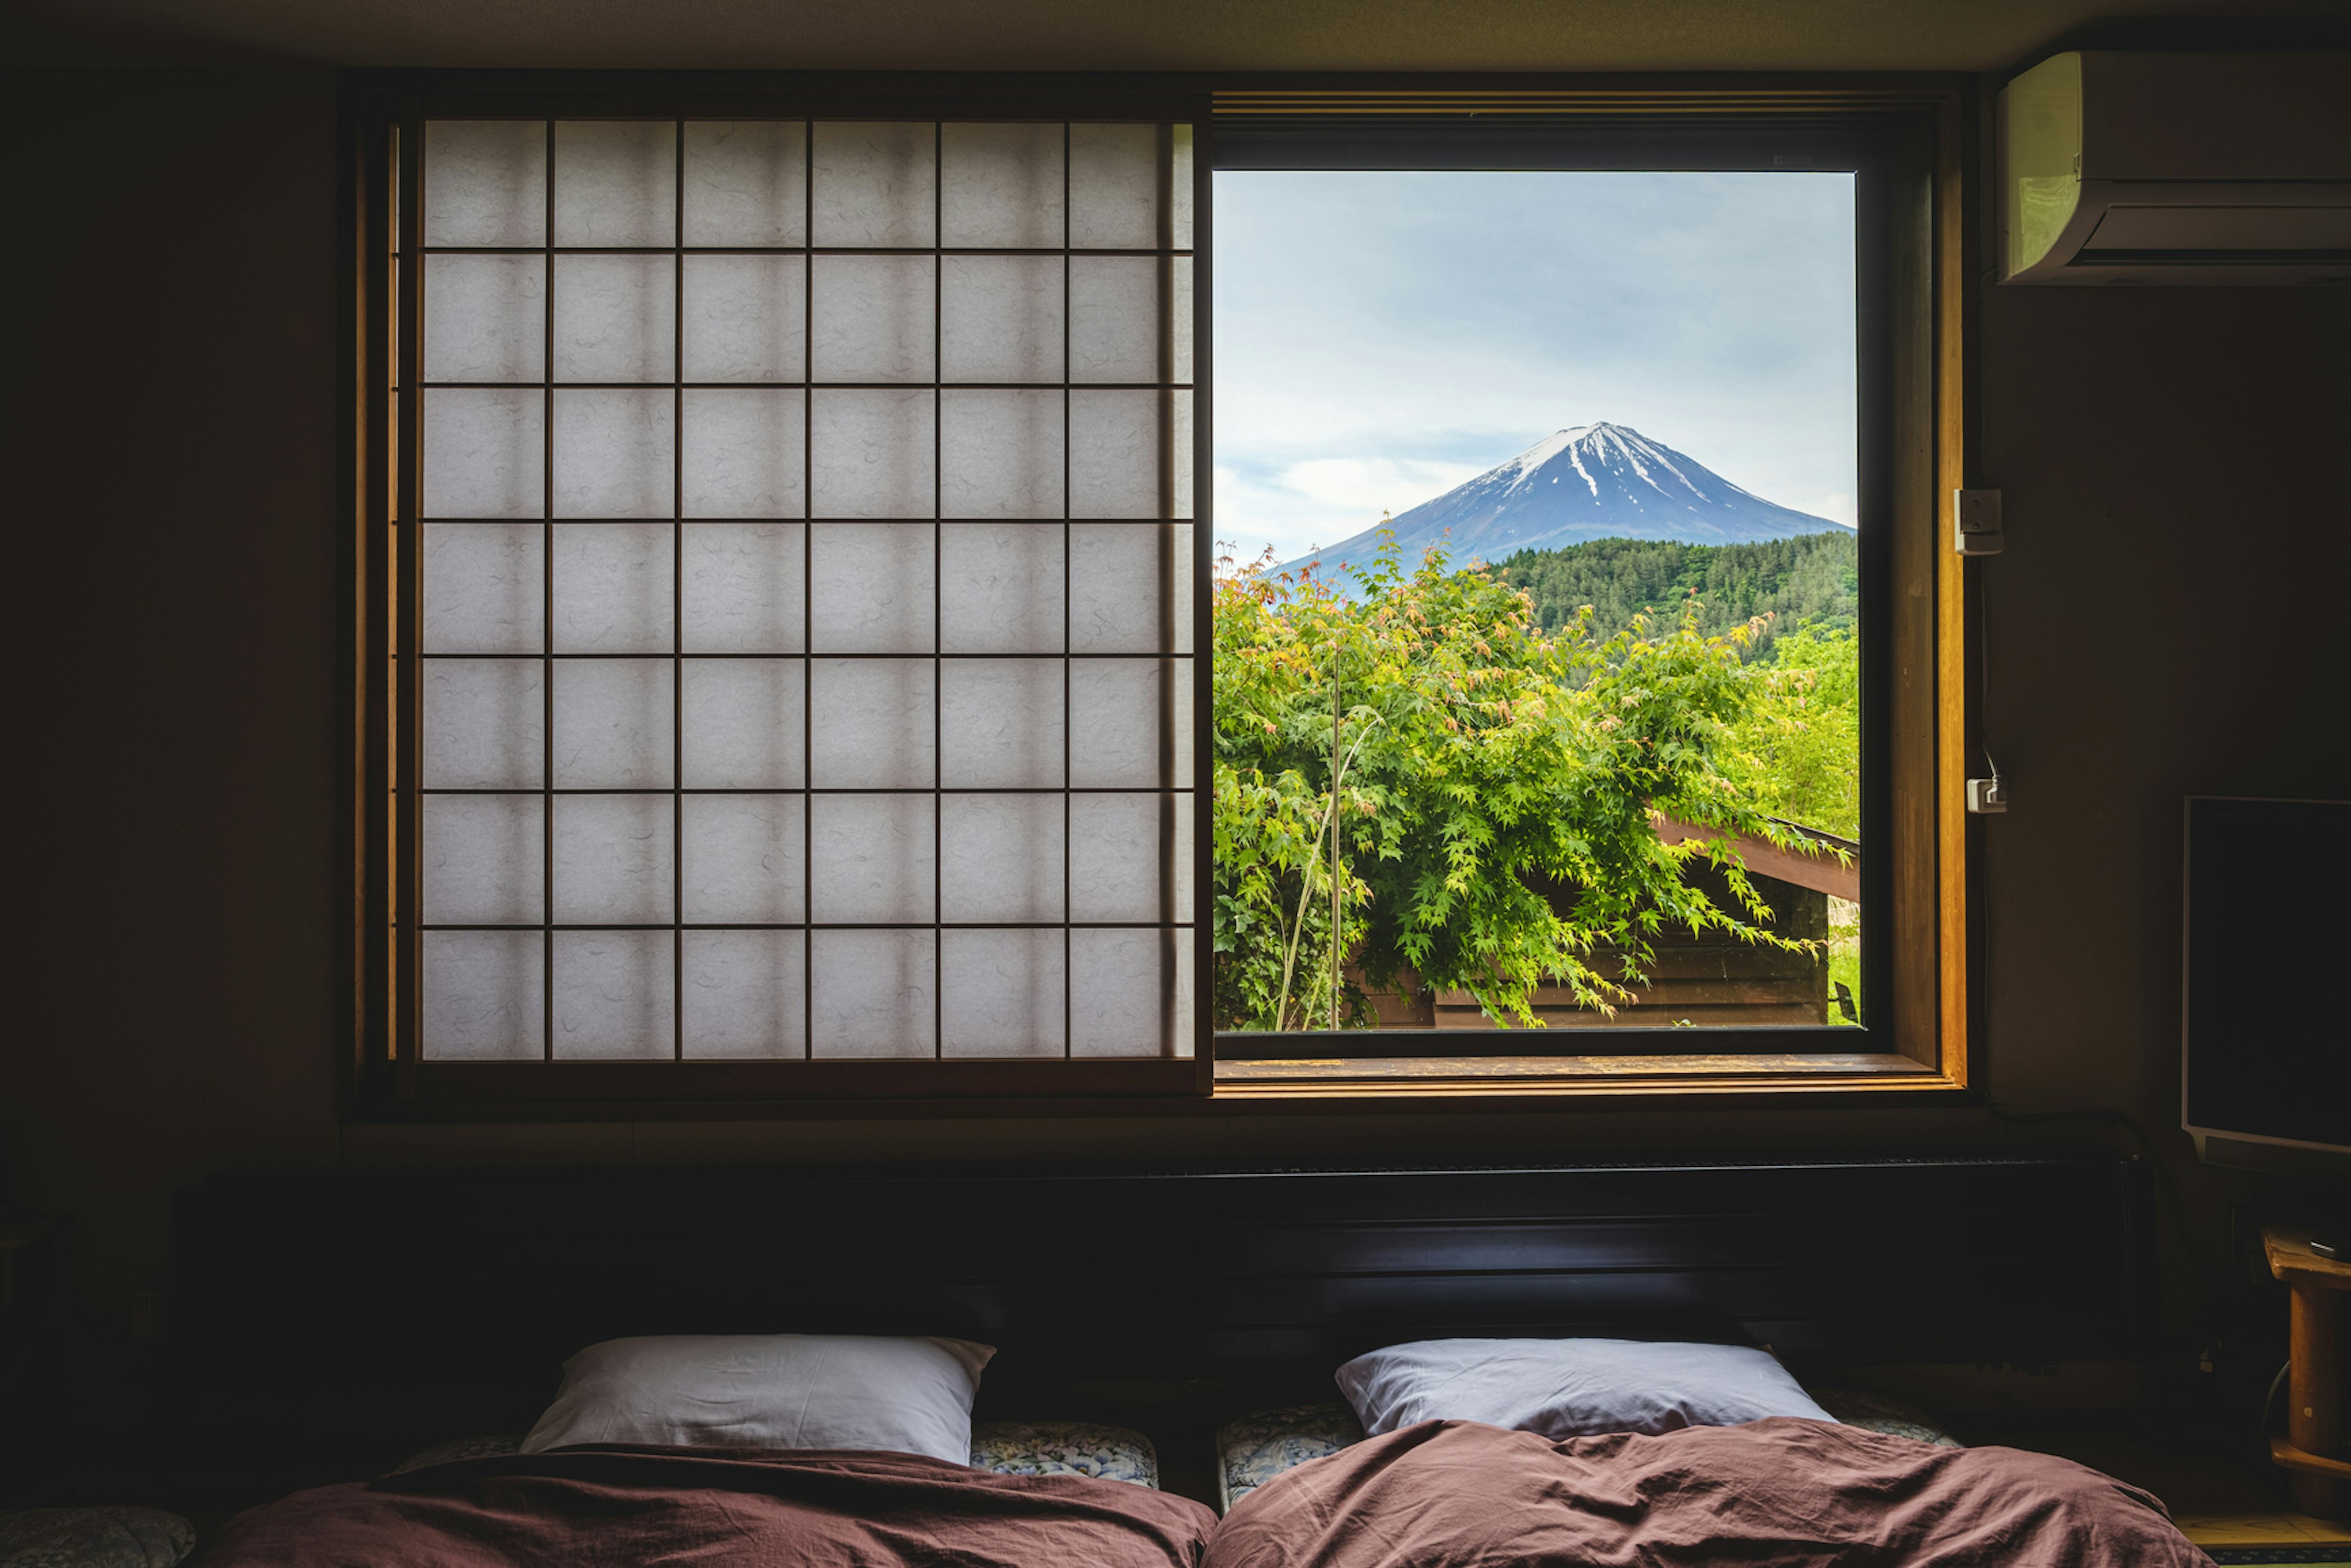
(493, 1445)
(770, 1391)
(1254, 1448)
(93, 1538)
(1883, 1414)
(1064, 1449)
(1571, 1387)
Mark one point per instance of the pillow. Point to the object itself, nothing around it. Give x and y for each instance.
(1065, 1449)
(1883, 1414)
(1571, 1387)
(770, 1391)
(1253, 1449)
(93, 1538)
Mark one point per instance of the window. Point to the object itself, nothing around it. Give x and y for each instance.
(792, 516)
(782, 595)
(1396, 294)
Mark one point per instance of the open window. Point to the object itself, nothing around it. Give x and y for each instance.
(1631, 755)
(785, 599)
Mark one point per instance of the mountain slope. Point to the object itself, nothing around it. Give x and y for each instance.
(1595, 481)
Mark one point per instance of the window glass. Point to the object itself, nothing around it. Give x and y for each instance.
(1538, 620)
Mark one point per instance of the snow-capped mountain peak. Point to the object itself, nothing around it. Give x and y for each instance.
(1590, 481)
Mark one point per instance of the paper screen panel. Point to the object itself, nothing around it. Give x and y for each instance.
(1001, 186)
(870, 724)
(745, 183)
(612, 723)
(484, 453)
(1114, 182)
(1000, 858)
(486, 182)
(873, 589)
(1115, 705)
(746, 319)
(1000, 454)
(874, 183)
(872, 859)
(1120, 986)
(872, 993)
(1115, 319)
(1114, 454)
(614, 995)
(1179, 307)
(1119, 576)
(483, 721)
(743, 860)
(615, 317)
(485, 996)
(1183, 583)
(612, 587)
(1001, 319)
(484, 859)
(1000, 724)
(614, 452)
(1001, 587)
(873, 452)
(1180, 436)
(1115, 845)
(742, 592)
(485, 318)
(743, 994)
(615, 183)
(612, 859)
(485, 587)
(1179, 186)
(874, 318)
(742, 452)
(741, 726)
(1002, 993)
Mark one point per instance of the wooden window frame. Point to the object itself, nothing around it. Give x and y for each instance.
(1928, 1054)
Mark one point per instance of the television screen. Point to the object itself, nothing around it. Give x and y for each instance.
(2267, 1050)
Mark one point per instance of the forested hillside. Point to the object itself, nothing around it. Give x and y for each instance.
(1811, 577)
(1397, 749)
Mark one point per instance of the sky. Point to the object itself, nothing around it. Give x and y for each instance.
(1380, 337)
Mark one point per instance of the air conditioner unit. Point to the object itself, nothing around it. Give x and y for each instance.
(2177, 168)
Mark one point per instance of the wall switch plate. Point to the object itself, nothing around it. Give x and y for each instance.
(1986, 795)
(1975, 522)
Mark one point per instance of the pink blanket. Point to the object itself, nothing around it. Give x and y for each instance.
(1788, 1492)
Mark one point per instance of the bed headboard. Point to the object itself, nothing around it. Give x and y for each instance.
(415, 1301)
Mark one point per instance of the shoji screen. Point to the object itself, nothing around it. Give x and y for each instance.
(803, 647)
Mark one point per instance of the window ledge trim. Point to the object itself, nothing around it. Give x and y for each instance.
(1912, 1088)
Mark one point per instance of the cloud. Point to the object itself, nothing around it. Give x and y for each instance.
(1382, 336)
(1322, 500)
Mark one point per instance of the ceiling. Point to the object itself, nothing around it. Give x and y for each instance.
(1111, 35)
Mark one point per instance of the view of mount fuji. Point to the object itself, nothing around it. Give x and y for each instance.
(1590, 481)
(1608, 616)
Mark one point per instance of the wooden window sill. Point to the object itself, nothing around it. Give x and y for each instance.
(1515, 1075)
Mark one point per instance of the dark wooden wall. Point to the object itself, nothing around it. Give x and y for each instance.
(321, 1325)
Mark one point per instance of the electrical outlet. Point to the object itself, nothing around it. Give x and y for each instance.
(1975, 522)
(1987, 795)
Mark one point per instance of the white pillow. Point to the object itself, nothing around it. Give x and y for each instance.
(1571, 1387)
(770, 1391)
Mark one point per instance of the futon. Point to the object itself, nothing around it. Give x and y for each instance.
(1786, 1490)
(635, 1505)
